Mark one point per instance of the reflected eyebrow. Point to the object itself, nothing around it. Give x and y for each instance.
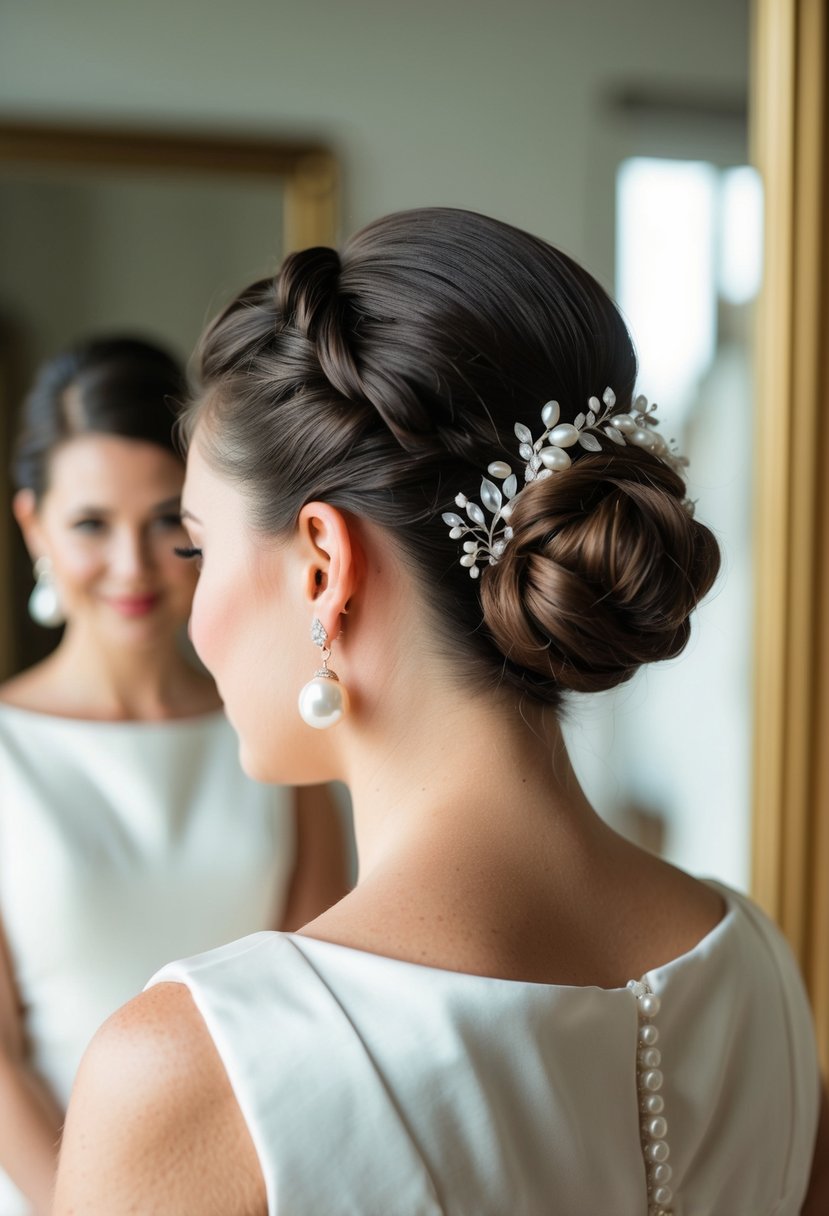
(169, 504)
(90, 510)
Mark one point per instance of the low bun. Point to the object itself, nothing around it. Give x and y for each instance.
(604, 569)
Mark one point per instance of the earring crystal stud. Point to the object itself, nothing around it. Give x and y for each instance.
(44, 603)
(323, 701)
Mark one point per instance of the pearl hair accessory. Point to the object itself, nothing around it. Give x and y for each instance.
(44, 602)
(543, 457)
(323, 701)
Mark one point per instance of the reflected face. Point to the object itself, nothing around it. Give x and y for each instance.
(249, 627)
(110, 521)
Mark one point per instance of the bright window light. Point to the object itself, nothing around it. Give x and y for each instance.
(741, 235)
(666, 274)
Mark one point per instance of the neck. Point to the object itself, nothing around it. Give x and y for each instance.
(134, 683)
(470, 774)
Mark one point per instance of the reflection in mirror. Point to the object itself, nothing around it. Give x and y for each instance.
(137, 235)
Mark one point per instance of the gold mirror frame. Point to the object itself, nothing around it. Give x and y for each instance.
(305, 172)
(790, 119)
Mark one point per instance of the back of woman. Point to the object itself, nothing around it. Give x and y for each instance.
(431, 1092)
(425, 458)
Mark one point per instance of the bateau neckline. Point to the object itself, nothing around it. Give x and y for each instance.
(36, 715)
(731, 900)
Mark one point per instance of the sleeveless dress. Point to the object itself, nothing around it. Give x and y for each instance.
(374, 1087)
(121, 844)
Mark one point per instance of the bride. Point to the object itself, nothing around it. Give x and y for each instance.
(427, 506)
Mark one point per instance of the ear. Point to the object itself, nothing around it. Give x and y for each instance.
(24, 508)
(332, 562)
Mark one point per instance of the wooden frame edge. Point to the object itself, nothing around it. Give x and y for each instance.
(791, 782)
(308, 170)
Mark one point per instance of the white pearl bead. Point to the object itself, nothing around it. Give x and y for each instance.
(652, 1057)
(322, 702)
(662, 1173)
(550, 413)
(641, 438)
(563, 436)
(663, 1195)
(652, 1080)
(658, 1128)
(555, 459)
(654, 1104)
(649, 1005)
(658, 1151)
(648, 1035)
(623, 422)
(498, 468)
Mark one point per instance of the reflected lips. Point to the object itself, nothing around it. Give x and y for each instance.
(134, 605)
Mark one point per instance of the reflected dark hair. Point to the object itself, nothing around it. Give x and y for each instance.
(385, 380)
(111, 386)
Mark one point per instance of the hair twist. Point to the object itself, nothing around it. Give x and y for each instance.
(604, 568)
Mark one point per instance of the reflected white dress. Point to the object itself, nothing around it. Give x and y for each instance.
(374, 1087)
(121, 844)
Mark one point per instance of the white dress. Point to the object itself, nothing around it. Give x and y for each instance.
(374, 1087)
(122, 844)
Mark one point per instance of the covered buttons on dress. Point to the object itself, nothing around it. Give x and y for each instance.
(653, 1124)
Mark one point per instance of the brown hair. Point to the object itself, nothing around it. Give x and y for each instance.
(385, 381)
(115, 385)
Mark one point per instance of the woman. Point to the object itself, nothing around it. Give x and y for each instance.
(127, 829)
(516, 1010)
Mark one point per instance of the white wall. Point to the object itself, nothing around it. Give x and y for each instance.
(493, 104)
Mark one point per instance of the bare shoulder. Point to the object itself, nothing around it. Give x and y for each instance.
(26, 690)
(153, 1124)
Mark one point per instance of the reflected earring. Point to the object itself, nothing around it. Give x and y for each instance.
(44, 604)
(324, 700)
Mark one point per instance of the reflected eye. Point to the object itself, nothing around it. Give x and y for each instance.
(88, 525)
(190, 555)
(169, 521)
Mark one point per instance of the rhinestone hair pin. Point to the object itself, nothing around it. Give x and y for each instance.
(487, 538)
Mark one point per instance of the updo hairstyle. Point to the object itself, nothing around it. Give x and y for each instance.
(385, 381)
(111, 386)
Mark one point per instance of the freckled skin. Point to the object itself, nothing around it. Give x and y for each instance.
(154, 1116)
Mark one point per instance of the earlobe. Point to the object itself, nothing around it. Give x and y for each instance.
(24, 509)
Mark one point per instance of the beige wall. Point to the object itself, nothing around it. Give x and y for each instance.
(494, 104)
(123, 252)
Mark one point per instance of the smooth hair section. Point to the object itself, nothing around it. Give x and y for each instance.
(112, 386)
(385, 380)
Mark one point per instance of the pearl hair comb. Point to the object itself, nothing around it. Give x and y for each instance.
(487, 539)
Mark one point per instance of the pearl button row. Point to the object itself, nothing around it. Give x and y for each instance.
(654, 1125)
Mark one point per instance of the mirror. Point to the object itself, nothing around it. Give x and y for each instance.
(591, 99)
(135, 233)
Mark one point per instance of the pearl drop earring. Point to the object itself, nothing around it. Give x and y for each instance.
(44, 603)
(324, 700)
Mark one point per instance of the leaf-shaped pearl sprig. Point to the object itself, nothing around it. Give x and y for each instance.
(489, 539)
(544, 456)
